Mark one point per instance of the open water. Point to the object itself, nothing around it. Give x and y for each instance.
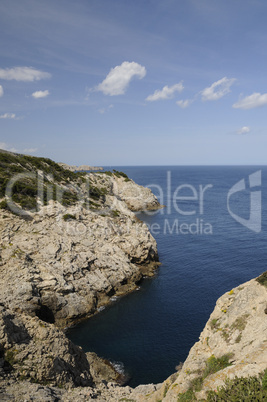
(205, 250)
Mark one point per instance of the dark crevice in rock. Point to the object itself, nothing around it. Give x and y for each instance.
(45, 314)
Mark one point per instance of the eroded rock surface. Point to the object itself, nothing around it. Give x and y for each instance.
(238, 328)
(58, 265)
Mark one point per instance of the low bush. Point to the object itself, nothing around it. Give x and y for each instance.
(214, 364)
(67, 217)
(240, 389)
(263, 279)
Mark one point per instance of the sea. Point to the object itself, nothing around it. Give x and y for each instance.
(211, 237)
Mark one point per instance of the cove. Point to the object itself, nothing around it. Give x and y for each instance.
(148, 332)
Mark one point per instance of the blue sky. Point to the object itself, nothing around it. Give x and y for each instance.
(101, 82)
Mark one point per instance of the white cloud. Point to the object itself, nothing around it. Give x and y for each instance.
(104, 110)
(243, 130)
(184, 103)
(8, 116)
(29, 150)
(218, 89)
(251, 101)
(23, 74)
(40, 94)
(3, 146)
(1, 91)
(6, 147)
(119, 77)
(166, 92)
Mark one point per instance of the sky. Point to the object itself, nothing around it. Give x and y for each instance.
(144, 82)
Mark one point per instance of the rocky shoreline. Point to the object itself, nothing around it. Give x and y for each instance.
(60, 264)
(63, 261)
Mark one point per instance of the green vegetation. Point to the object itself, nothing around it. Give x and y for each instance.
(263, 279)
(89, 204)
(165, 390)
(120, 174)
(67, 217)
(196, 384)
(240, 323)
(10, 356)
(4, 205)
(116, 173)
(115, 213)
(26, 171)
(241, 389)
(127, 400)
(213, 364)
(238, 339)
(214, 323)
(238, 389)
(188, 396)
(96, 193)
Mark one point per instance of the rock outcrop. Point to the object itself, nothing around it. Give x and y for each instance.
(63, 270)
(63, 261)
(62, 258)
(39, 352)
(232, 344)
(235, 336)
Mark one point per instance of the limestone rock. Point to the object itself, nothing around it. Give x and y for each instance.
(66, 263)
(137, 198)
(40, 352)
(237, 327)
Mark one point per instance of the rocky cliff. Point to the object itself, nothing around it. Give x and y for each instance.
(69, 242)
(232, 345)
(65, 251)
(231, 353)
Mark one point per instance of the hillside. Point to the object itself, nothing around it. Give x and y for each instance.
(70, 242)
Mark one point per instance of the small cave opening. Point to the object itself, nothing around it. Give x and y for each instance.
(45, 314)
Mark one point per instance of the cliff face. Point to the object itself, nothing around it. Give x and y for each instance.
(63, 270)
(64, 261)
(71, 254)
(65, 252)
(233, 343)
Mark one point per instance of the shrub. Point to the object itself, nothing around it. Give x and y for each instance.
(115, 213)
(187, 396)
(69, 198)
(120, 174)
(263, 279)
(214, 323)
(3, 205)
(240, 323)
(196, 384)
(67, 217)
(239, 389)
(264, 380)
(214, 364)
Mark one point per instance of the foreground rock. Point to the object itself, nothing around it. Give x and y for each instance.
(61, 264)
(39, 352)
(236, 331)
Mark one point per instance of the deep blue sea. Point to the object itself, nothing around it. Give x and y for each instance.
(206, 248)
